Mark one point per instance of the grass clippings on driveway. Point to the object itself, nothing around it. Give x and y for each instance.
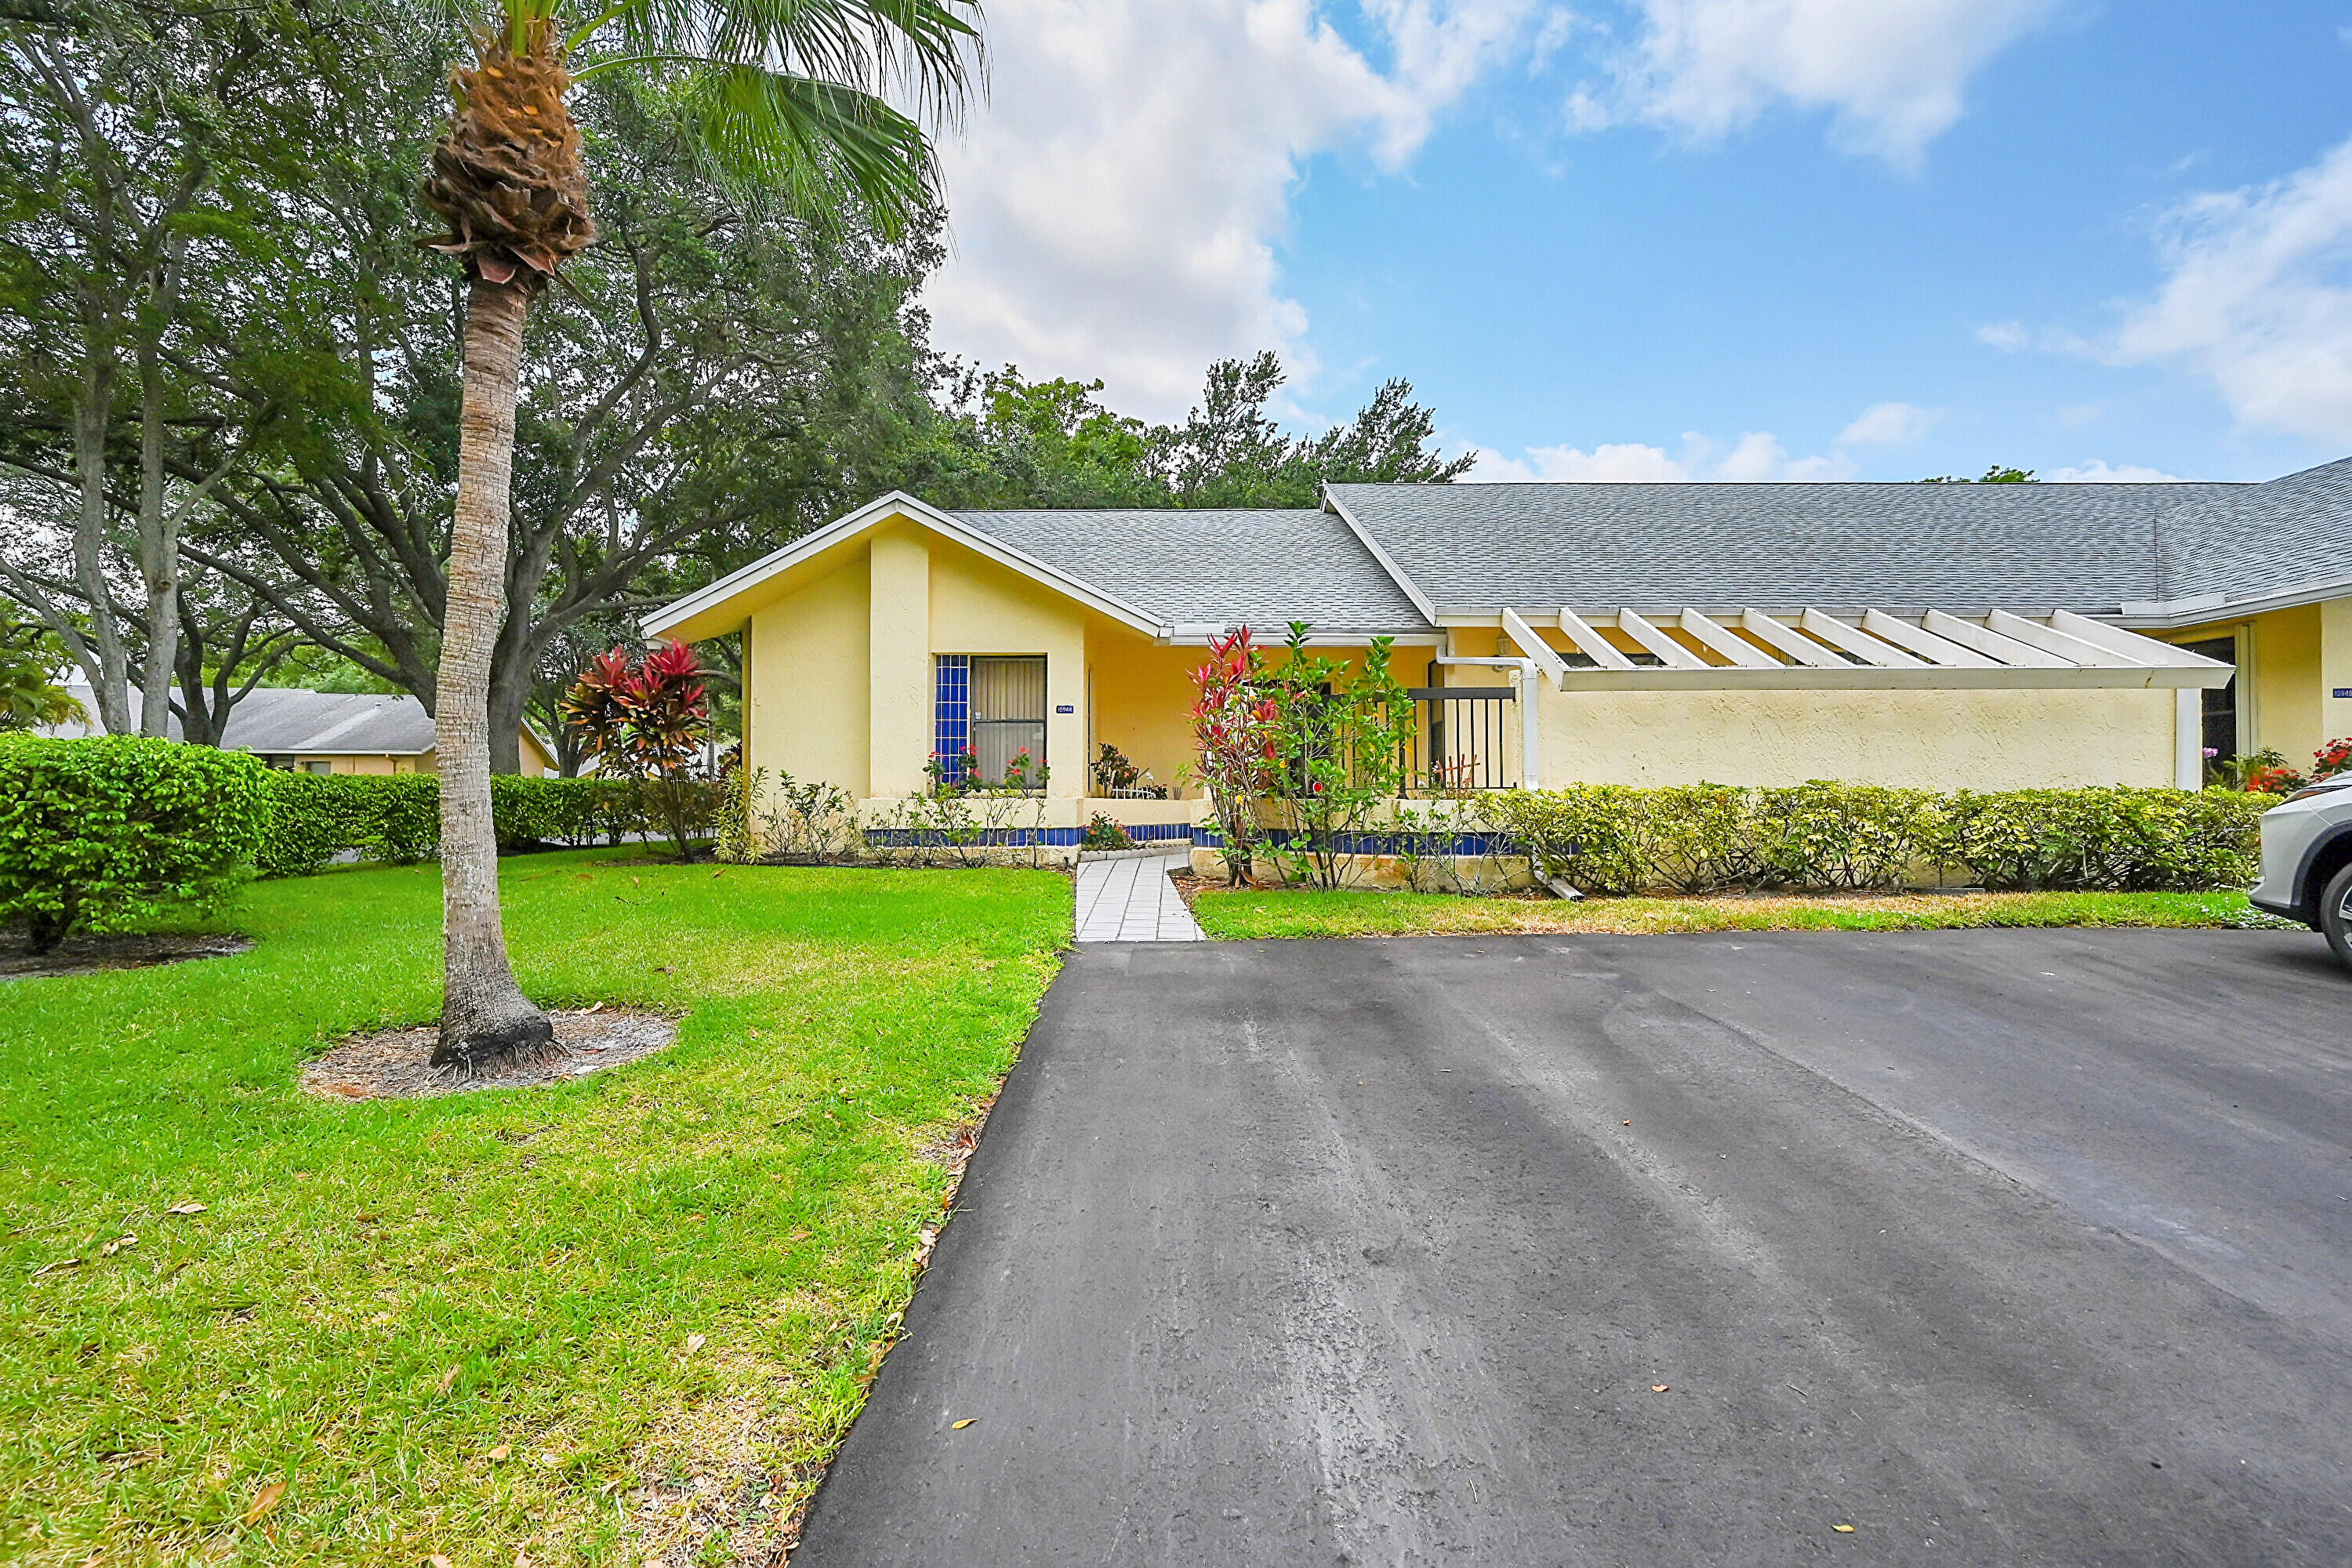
(589, 1322)
(1308, 913)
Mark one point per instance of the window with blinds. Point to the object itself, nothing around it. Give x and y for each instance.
(1008, 713)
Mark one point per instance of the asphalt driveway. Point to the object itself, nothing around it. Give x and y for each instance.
(1999, 1247)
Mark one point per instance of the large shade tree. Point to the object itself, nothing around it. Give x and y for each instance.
(788, 99)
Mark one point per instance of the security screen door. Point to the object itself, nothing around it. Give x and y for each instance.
(1008, 712)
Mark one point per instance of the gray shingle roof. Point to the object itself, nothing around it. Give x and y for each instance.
(2247, 540)
(2089, 548)
(274, 720)
(1263, 568)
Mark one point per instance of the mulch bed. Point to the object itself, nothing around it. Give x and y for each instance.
(395, 1064)
(95, 955)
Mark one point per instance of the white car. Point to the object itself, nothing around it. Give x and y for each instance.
(2307, 861)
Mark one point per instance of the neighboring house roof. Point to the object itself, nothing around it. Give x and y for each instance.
(1190, 568)
(282, 721)
(275, 720)
(290, 721)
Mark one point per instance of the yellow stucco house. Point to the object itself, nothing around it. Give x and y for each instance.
(1938, 636)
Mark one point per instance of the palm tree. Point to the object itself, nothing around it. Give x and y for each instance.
(785, 97)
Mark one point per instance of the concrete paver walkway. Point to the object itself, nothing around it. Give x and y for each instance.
(1133, 901)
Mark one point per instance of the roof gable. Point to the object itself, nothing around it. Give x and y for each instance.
(725, 605)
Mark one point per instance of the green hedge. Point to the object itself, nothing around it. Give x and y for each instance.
(97, 834)
(1709, 838)
(316, 816)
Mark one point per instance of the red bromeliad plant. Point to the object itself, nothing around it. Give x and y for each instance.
(644, 718)
(1236, 744)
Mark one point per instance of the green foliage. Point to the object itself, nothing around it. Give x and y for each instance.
(102, 834)
(1002, 441)
(1339, 739)
(1998, 474)
(1102, 833)
(313, 817)
(764, 1183)
(27, 696)
(2113, 841)
(1703, 839)
(396, 818)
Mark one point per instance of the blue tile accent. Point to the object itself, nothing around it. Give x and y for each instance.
(1020, 837)
(1384, 843)
(951, 725)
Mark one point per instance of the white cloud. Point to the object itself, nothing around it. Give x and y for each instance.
(1892, 73)
(2097, 471)
(2259, 298)
(1117, 200)
(1757, 456)
(1891, 425)
(2009, 337)
(1627, 463)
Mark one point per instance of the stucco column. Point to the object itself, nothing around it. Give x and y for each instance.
(898, 662)
(2335, 669)
(1066, 717)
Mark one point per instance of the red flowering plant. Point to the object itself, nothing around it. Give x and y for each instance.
(645, 718)
(950, 772)
(2336, 757)
(1236, 745)
(1341, 740)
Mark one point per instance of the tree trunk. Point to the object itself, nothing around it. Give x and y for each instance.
(159, 554)
(110, 671)
(509, 698)
(483, 1016)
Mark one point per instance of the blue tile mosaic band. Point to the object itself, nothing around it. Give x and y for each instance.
(952, 724)
(1381, 843)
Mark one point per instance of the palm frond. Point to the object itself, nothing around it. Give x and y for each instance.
(794, 98)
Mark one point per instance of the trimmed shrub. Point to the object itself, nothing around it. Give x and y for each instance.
(313, 817)
(101, 834)
(1704, 839)
(2115, 840)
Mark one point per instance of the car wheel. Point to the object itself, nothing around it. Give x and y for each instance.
(2335, 915)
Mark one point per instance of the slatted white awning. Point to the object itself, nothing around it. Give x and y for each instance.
(1629, 650)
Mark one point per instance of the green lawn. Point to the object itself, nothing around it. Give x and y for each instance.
(1290, 912)
(460, 1326)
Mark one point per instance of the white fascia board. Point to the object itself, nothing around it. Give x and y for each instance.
(2146, 650)
(1547, 658)
(1923, 678)
(1803, 649)
(1991, 644)
(1190, 633)
(899, 502)
(2164, 615)
(2066, 644)
(1591, 643)
(1739, 650)
(1396, 572)
(1877, 650)
(1676, 655)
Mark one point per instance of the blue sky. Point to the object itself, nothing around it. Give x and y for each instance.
(1704, 239)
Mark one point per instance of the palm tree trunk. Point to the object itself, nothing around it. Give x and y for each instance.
(484, 1014)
